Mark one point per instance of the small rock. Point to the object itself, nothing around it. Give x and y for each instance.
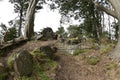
(1, 65)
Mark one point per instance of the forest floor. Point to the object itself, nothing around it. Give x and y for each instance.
(76, 67)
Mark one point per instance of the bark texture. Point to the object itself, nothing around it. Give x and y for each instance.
(29, 24)
(116, 5)
(115, 12)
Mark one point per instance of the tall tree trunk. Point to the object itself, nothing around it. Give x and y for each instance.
(115, 12)
(116, 29)
(109, 28)
(29, 22)
(103, 26)
(116, 5)
(20, 26)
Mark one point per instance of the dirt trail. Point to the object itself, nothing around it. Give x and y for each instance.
(72, 69)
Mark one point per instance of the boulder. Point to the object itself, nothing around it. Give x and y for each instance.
(49, 51)
(23, 64)
(47, 34)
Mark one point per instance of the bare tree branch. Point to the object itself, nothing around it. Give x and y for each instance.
(108, 11)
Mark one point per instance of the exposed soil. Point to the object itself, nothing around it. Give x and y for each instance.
(30, 45)
(74, 67)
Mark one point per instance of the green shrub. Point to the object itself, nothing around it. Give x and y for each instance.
(111, 65)
(3, 76)
(39, 72)
(40, 68)
(10, 34)
(106, 48)
(93, 60)
(38, 54)
(78, 51)
(3, 73)
(51, 65)
(10, 61)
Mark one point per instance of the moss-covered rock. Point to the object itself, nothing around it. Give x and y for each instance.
(44, 67)
(23, 64)
(48, 51)
(47, 34)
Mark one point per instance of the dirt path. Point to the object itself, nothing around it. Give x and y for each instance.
(68, 68)
(72, 69)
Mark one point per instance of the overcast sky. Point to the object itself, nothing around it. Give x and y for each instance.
(44, 18)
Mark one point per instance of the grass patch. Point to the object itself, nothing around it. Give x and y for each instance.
(3, 73)
(10, 61)
(79, 51)
(42, 65)
(118, 72)
(39, 72)
(38, 54)
(106, 48)
(3, 76)
(26, 78)
(111, 65)
(92, 60)
(50, 65)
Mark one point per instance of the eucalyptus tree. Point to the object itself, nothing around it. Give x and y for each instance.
(83, 9)
(74, 31)
(113, 10)
(29, 22)
(60, 30)
(20, 7)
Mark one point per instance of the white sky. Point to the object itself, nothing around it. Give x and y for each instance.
(6, 11)
(45, 17)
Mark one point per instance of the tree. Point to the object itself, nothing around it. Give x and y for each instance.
(20, 7)
(29, 22)
(83, 9)
(61, 31)
(74, 31)
(115, 12)
(30, 16)
(8, 33)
